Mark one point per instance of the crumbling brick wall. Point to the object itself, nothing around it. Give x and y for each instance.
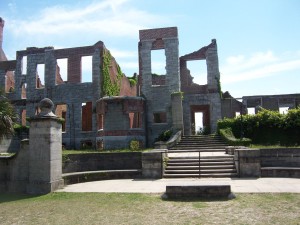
(77, 98)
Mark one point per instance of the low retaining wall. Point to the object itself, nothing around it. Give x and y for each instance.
(270, 162)
(80, 177)
(283, 157)
(101, 161)
(282, 162)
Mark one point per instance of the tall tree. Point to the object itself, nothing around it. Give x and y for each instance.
(7, 117)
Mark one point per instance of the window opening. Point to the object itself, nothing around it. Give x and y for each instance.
(86, 116)
(237, 114)
(158, 67)
(135, 120)
(61, 71)
(61, 111)
(160, 117)
(100, 121)
(86, 68)
(23, 117)
(40, 76)
(10, 81)
(37, 110)
(24, 65)
(283, 110)
(251, 111)
(23, 90)
(198, 70)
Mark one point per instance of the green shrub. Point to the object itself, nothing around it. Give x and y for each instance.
(21, 129)
(134, 145)
(229, 137)
(164, 136)
(266, 127)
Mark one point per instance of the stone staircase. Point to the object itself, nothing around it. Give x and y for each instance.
(201, 156)
(211, 143)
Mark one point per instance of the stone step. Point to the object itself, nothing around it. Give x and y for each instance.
(203, 163)
(174, 150)
(202, 159)
(202, 167)
(180, 145)
(196, 171)
(219, 175)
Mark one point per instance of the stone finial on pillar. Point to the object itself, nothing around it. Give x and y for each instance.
(46, 107)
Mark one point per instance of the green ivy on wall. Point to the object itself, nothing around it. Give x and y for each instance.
(110, 88)
(180, 93)
(219, 87)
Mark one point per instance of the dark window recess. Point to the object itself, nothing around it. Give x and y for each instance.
(160, 117)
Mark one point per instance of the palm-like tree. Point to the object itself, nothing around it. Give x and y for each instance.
(7, 117)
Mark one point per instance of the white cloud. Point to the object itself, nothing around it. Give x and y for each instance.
(259, 65)
(129, 65)
(122, 54)
(241, 62)
(12, 7)
(110, 17)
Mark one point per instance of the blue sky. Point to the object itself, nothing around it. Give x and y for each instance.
(258, 40)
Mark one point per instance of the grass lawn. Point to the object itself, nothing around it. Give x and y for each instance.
(104, 208)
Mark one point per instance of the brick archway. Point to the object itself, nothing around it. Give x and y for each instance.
(205, 109)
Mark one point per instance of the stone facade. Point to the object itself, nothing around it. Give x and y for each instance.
(121, 120)
(201, 98)
(159, 116)
(169, 101)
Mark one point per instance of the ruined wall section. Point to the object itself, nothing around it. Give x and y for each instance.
(272, 102)
(201, 96)
(208, 53)
(158, 97)
(72, 94)
(231, 107)
(9, 73)
(73, 99)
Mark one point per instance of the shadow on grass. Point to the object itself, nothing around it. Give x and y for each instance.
(11, 197)
(164, 197)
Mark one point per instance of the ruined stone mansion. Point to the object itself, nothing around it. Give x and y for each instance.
(111, 110)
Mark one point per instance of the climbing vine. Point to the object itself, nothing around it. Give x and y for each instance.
(110, 88)
(180, 93)
(219, 87)
(133, 80)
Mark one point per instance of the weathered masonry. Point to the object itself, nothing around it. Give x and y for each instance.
(104, 109)
(163, 101)
(74, 98)
(203, 99)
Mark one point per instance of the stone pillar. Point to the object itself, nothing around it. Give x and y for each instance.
(248, 162)
(153, 164)
(45, 156)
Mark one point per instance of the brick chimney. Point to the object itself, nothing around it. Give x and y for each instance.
(2, 54)
(1, 31)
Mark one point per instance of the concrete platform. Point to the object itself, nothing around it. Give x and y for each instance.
(260, 185)
(197, 191)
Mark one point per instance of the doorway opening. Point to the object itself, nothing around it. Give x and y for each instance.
(200, 119)
(198, 122)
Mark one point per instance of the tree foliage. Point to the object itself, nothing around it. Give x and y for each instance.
(266, 127)
(7, 117)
